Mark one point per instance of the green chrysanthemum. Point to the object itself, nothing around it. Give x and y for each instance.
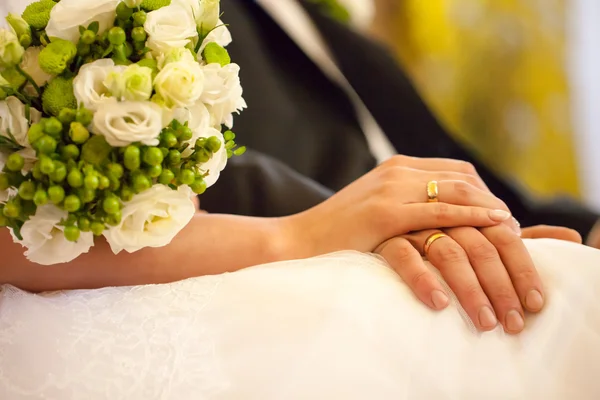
(213, 53)
(151, 5)
(57, 56)
(38, 14)
(58, 95)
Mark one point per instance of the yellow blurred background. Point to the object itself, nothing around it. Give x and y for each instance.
(494, 72)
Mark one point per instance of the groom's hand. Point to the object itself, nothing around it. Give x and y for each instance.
(594, 236)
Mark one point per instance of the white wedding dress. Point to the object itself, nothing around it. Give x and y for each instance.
(342, 326)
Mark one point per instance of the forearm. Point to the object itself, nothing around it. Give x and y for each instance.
(210, 244)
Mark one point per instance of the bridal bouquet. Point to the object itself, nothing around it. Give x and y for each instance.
(111, 118)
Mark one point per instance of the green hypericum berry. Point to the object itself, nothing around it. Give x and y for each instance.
(84, 224)
(60, 172)
(46, 145)
(70, 152)
(4, 182)
(97, 228)
(166, 177)
(139, 18)
(78, 133)
(213, 144)
(40, 198)
(202, 156)
(229, 145)
(164, 151)
(15, 162)
(138, 34)
(126, 193)
(239, 151)
(84, 116)
(67, 116)
(115, 171)
(47, 165)
(27, 190)
(87, 195)
(229, 135)
(53, 127)
(72, 203)
(115, 184)
(229, 153)
(187, 176)
(131, 158)
(103, 182)
(141, 183)
(153, 156)
(36, 131)
(56, 194)
(114, 219)
(91, 182)
(88, 37)
(154, 171)
(199, 186)
(37, 171)
(72, 233)
(123, 12)
(116, 36)
(169, 140)
(174, 157)
(75, 178)
(201, 143)
(111, 205)
(12, 209)
(185, 133)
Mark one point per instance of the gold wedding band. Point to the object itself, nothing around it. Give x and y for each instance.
(431, 239)
(432, 192)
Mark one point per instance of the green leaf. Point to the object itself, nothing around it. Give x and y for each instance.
(107, 51)
(94, 27)
(16, 227)
(81, 29)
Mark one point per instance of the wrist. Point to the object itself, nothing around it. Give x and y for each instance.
(295, 238)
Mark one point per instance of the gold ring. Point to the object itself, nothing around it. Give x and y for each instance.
(431, 239)
(432, 192)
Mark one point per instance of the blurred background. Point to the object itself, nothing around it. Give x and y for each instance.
(516, 79)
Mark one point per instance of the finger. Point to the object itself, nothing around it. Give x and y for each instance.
(593, 238)
(407, 262)
(519, 265)
(402, 218)
(493, 277)
(551, 232)
(452, 261)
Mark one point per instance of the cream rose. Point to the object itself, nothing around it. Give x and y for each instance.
(31, 65)
(181, 83)
(68, 15)
(129, 122)
(13, 119)
(169, 27)
(222, 93)
(134, 83)
(133, 3)
(88, 85)
(152, 219)
(44, 239)
(11, 50)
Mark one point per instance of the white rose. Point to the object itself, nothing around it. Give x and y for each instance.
(129, 122)
(11, 50)
(14, 120)
(133, 3)
(134, 84)
(181, 83)
(31, 65)
(88, 85)
(220, 35)
(44, 239)
(222, 92)
(68, 15)
(152, 219)
(169, 27)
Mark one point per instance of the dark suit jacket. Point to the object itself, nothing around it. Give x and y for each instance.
(299, 117)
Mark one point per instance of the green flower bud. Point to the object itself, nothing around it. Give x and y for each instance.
(15, 162)
(187, 177)
(84, 116)
(164, 151)
(111, 205)
(4, 182)
(138, 34)
(123, 12)
(78, 133)
(116, 36)
(58, 95)
(84, 224)
(56, 194)
(153, 156)
(67, 115)
(126, 193)
(37, 171)
(12, 209)
(213, 53)
(53, 127)
(10, 49)
(96, 150)
(139, 18)
(229, 145)
(70, 152)
(115, 171)
(35, 132)
(19, 25)
(201, 143)
(154, 171)
(72, 203)
(46, 145)
(131, 158)
(27, 190)
(40, 198)
(199, 186)
(229, 153)
(97, 228)
(115, 184)
(202, 156)
(72, 233)
(166, 177)
(88, 37)
(13, 77)
(86, 195)
(37, 14)
(213, 144)
(103, 183)
(60, 172)
(47, 165)
(141, 183)
(25, 41)
(169, 140)
(114, 219)
(174, 157)
(185, 134)
(91, 182)
(75, 178)
(240, 151)
(57, 56)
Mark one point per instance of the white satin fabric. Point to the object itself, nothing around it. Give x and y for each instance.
(342, 326)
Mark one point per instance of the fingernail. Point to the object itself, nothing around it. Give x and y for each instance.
(487, 319)
(439, 299)
(514, 321)
(516, 226)
(499, 215)
(534, 301)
